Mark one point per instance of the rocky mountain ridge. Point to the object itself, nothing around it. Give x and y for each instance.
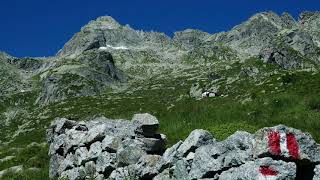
(280, 40)
(248, 39)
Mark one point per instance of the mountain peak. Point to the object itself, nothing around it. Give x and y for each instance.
(4, 55)
(103, 22)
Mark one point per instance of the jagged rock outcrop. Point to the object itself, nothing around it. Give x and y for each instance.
(119, 149)
(190, 38)
(88, 74)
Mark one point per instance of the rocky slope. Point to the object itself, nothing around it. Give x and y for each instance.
(261, 73)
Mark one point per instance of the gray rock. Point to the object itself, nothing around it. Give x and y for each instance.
(83, 75)
(189, 38)
(265, 168)
(57, 144)
(169, 157)
(129, 155)
(195, 91)
(74, 174)
(146, 124)
(190, 156)
(181, 170)
(164, 175)
(316, 173)
(67, 163)
(287, 143)
(106, 163)
(60, 124)
(145, 168)
(211, 159)
(74, 139)
(286, 56)
(95, 150)
(54, 163)
(196, 139)
(90, 169)
(153, 145)
(81, 155)
(110, 143)
(97, 133)
(122, 173)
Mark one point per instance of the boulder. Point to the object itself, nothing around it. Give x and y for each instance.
(60, 124)
(196, 139)
(122, 173)
(67, 163)
(169, 157)
(81, 155)
(146, 124)
(74, 139)
(95, 150)
(96, 133)
(57, 144)
(145, 168)
(153, 145)
(90, 168)
(286, 143)
(181, 170)
(265, 168)
(129, 155)
(213, 158)
(106, 162)
(110, 143)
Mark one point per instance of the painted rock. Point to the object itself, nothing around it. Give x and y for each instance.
(285, 143)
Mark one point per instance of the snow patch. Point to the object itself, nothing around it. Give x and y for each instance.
(113, 47)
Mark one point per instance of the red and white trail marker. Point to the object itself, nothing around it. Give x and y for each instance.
(283, 144)
(267, 173)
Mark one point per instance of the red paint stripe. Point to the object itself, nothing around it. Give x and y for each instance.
(268, 171)
(292, 146)
(274, 143)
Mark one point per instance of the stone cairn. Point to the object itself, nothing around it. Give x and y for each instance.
(119, 149)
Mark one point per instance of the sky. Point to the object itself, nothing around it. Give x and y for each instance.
(37, 28)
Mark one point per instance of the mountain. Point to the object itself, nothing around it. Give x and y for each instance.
(263, 72)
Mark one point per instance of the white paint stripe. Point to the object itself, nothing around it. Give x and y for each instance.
(262, 177)
(283, 144)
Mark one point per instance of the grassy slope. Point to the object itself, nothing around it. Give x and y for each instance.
(284, 98)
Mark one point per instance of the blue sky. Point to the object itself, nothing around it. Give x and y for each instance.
(41, 27)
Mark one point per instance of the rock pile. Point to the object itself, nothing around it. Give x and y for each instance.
(119, 149)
